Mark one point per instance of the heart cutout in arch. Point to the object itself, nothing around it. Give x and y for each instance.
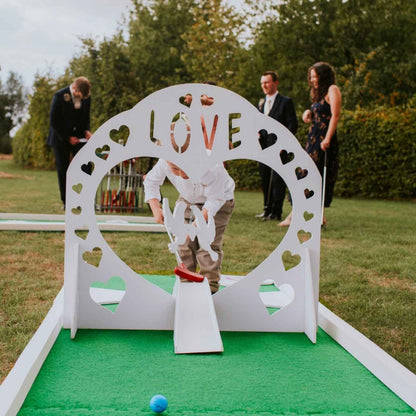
(82, 232)
(77, 188)
(186, 100)
(304, 236)
(88, 168)
(286, 157)
(207, 100)
(307, 215)
(309, 193)
(108, 294)
(290, 260)
(93, 257)
(266, 140)
(77, 210)
(103, 152)
(274, 297)
(121, 135)
(301, 173)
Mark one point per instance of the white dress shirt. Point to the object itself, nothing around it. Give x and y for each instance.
(269, 102)
(215, 187)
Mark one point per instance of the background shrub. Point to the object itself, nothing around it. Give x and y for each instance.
(378, 153)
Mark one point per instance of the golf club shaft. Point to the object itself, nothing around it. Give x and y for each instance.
(178, 258)
(323, 189)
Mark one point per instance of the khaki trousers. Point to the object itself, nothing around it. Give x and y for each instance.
(193, 255)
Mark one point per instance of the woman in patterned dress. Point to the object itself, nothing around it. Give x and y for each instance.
(323, 117)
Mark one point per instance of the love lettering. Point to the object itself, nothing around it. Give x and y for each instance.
(180, 123)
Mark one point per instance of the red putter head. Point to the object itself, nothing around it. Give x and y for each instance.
(183, 272)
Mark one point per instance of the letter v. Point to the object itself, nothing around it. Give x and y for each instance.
(209, 143)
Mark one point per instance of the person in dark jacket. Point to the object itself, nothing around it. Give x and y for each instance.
(69, 126)
(282, 109)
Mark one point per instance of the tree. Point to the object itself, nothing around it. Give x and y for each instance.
(212, 42)
(156, 44)
(371, 44)
(108, 67)
(12, 104)
(29, 144)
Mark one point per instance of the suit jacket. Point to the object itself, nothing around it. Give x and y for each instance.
(283, 111)
(65, 120)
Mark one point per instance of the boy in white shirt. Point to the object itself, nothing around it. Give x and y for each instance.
(214, 193)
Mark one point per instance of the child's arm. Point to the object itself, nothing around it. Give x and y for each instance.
(156, 210)
(154, 179)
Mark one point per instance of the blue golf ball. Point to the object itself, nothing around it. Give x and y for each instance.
(158, 403)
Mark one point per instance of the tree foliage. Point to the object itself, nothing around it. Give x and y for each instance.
(12, 104)
(212, 43)
(370, 43)
(29, 143)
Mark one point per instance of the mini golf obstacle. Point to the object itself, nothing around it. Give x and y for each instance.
(164, 126)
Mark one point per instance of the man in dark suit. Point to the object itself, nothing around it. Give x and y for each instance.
(282, 109)
(70, 125)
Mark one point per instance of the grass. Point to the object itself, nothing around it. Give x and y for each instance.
(367, 274)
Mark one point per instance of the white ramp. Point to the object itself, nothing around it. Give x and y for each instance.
(196, 327)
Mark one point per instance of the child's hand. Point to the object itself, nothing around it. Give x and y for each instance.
(160, 219)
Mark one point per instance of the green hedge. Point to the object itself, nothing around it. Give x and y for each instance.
(378, 153)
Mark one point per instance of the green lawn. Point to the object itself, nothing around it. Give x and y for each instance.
(367, 274)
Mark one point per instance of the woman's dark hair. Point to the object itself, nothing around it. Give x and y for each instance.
(326, 78)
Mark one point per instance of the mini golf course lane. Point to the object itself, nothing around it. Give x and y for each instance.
(106, 372)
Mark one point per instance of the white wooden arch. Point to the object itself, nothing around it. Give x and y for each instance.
(151, 125)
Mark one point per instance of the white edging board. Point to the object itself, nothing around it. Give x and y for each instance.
(16, 386)
(46, 222)
(389, 371)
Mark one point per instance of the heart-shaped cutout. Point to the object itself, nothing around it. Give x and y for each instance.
(290, 260)
(109, 294)
(274, 297)
(88, 168)
(121, 135)
(301, 173)
(102, 152)
(76, 210)
(304, 236)
(93, 257)
(307, 215)
(309, 193)
(77, 188)
(82, 232)
(266, 140)
(206, 99)
(186, 100)
(286, 157)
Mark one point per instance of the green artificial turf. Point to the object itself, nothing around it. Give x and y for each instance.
(118, 372)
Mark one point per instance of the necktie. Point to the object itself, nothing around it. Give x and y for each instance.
(268, 107)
